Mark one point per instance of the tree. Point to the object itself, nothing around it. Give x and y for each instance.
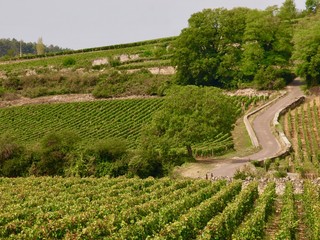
(267, 42)
(312, 5)
(190, 115)
(306, 52)
(288, 10)
(207, 52)
(40, 47)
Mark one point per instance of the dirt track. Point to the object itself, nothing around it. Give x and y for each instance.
(262, 127)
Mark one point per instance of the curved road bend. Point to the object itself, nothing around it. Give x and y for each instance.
(262, 127)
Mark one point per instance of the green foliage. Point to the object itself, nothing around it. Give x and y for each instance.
(68, 62)
(190, 115)
(270, 78)
(311, 207)
(133, 208)
(11, 48)
(207, 52)
(223, 225)
(106, 157)
(153, 222)
(253, 227)
(288, 10)
(289, 222)
(12, 162)
(312, 5)
(2, 91)
(54, 153)
(226, 47)
(40, 47)
(90, 120)
(188, 225)
(306, 49)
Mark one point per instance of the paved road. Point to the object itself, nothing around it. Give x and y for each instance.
(262, 127)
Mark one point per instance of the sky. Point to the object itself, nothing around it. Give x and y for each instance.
(78, 24)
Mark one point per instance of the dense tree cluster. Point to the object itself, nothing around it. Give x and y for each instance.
(61, 154)
(190, 115)
(306, 52)
(229, 48)
(11, 48)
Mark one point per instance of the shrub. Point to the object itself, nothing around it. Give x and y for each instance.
(54, 153)
(115, 62)
(69, 61)
(106, 157)
(272, 78)
(2, 91)
(12, 162)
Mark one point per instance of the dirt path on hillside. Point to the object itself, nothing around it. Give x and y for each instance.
(262, 127)
(67, 98)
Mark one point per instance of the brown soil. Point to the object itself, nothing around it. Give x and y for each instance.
(272, 226)
(58, 99)
(302, 228)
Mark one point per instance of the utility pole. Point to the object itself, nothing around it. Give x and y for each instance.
(20, 48)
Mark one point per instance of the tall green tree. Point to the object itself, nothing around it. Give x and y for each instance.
(288, 10)
(312, 5)
(40, 47)
(306, 52)
(191, 115)
(267, 45)
(207, 52)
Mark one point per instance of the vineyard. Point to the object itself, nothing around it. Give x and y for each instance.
(102, 120)
(90, 120)
(302, 126)
(121, 208)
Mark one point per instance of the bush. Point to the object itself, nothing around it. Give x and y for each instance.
(144, 166)
(272, 78)
(16, 167)
(108, 150)
(12, 162)
(68, 62)
(115, 62)
(9, 149)
(106, 157)
(2, 91)
(54, 152)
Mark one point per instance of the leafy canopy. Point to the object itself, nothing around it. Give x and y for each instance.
(225, 48)
(307, 50)
(191, 115)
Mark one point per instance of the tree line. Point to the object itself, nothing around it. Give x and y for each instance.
(242, 46)
(10, 48)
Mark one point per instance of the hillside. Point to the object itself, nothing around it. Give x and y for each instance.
(91, 121)
(93, 142)
(120, 208)
(141, 68)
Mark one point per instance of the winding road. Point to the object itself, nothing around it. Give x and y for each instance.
(262, 126)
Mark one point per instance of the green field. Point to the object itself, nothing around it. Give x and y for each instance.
(90, 120)
(101, 119)
(120, 208)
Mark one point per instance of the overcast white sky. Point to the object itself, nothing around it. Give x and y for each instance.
(91, 23)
